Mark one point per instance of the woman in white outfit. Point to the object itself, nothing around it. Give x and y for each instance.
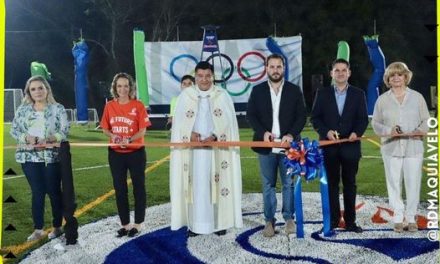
(401, 110)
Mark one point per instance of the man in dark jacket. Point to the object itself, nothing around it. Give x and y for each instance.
(340, 111)
(276, 112)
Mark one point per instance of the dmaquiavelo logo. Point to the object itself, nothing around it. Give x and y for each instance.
(158, 244)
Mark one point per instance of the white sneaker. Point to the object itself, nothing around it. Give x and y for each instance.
(36, 235)
(56, 232)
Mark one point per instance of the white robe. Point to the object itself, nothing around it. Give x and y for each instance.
(205, 184)
(201, 211)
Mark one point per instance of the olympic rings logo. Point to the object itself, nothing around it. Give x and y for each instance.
(228, 71)
(175, 59)
(240, 69)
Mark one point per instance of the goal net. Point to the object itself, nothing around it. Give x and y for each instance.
(13, 98)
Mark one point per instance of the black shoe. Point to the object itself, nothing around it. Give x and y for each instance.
(220, 233)
(122, 232)
(191, 233)
(354, 228)
(133, 232)
(334, 225)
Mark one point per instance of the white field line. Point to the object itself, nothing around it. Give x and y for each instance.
(5, 178)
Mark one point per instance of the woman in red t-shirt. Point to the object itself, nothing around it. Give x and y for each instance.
(124, 121)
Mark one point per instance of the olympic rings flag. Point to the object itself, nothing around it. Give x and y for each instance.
(243, 63)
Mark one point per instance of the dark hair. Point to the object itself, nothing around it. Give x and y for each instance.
(340, 61)
(187, 77)
(204, 65)
(275, 56)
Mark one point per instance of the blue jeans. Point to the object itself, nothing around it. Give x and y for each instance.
(269, 164)
(44, 178)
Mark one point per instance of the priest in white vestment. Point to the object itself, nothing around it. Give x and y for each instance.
(205, 183)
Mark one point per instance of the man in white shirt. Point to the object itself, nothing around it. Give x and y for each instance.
(276, 112)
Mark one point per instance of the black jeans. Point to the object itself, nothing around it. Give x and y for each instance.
(120, 164)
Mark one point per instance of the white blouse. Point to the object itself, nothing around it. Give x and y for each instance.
(411, 116)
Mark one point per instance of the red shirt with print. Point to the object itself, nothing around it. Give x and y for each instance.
(125, 120)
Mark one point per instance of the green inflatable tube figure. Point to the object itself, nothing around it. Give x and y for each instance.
(343, 51)
(38, 68)
(140, 68)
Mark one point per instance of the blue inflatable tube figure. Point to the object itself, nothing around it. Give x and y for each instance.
(378, 60)
(80, 53)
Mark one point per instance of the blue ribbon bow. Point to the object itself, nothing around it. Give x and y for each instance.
(304, 158)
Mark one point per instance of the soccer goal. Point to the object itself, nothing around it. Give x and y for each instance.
(69, 113)
(13, 98)
(92, 116)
